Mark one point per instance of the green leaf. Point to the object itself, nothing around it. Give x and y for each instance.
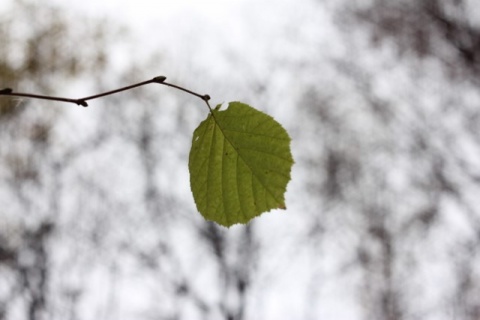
(239, 164)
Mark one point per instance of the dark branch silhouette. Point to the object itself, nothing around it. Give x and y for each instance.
(83, 101)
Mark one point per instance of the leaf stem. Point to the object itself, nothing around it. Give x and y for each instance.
(83, 101)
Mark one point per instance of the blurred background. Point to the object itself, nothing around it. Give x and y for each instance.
(381, 99)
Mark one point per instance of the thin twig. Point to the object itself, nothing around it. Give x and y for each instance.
(9, 92)
(83, 101)
(120, 89)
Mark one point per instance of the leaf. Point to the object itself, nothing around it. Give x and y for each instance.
(239, 164)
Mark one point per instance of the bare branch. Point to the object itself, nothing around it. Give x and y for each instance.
(83, 101)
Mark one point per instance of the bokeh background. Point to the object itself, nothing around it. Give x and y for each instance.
(381, 99)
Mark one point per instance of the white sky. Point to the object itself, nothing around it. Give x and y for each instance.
(141, 14)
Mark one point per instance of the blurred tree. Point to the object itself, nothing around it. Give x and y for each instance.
(399, 165)
(37, 42)
(446, 32)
